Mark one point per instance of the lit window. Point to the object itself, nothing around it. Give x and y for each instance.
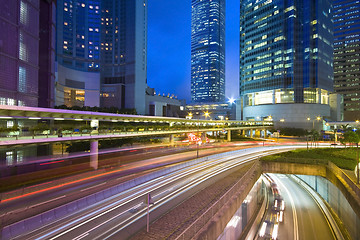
(22, 80)
(24, 13)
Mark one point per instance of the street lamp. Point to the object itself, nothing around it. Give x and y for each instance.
(206, 114)
(313, 121)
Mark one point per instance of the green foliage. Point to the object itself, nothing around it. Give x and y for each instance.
(350, 136)
(40, 127)
(85, 128)
(14, 128)
(299, 132)
(99, 109)
(343, 157)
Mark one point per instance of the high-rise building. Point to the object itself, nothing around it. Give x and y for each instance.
(124, 54)
(47, 53)
(347, 55)
(101, 53)
(24, 69)
(286, 60)
(78, 53)
(208, 51)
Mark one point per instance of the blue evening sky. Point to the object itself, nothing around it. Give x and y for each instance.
(169, 39)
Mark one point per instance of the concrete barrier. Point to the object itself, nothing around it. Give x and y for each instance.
(213, 222)
(32, 223)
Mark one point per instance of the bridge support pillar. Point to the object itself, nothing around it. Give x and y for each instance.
(264, 131)
(171, 139)
(251, 133)
(229, 135)
(94, 156)
(335, 137)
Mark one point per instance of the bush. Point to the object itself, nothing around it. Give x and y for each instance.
(343, 158)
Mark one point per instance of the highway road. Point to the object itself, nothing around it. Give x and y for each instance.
(46, 196)
(123, 214)
(303, 219)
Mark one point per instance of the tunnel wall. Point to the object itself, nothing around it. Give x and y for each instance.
(335, 186)
(340, 182)
(337, 201)
(221, 217)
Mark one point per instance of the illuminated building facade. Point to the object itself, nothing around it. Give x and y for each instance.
(286, 59)
(124, 54)
(102, 50)
(27, 52)
(347, 56)
(208, 51)
(78, 53)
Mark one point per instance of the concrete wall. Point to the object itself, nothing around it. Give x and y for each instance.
(90, 80)
(343, 189)
(215, 227)
(337, 201)
(239, 222)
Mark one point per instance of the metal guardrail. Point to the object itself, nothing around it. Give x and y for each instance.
(194, 228)
(11, 139)
(320, 202)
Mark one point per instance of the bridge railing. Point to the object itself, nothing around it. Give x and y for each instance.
(52, 133)
(200, 222)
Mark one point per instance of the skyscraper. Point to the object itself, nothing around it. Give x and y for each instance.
(24, 68)
(286, 59)
(208, 51)
(124, 54)
(78, 52)
(347, 56)
(101, 53)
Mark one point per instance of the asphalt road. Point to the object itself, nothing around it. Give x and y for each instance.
(29, 205)
(124, 210)
(303, 218)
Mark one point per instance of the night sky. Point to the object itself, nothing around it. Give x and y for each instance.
(169, 44)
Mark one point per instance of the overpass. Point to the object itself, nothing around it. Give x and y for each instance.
(105, 126)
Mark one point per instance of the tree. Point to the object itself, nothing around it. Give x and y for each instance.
(350, 137)
(314, 136)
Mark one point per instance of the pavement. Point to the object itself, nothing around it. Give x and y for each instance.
(174, 222)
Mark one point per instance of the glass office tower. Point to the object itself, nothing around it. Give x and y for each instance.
(286, 59)
(26, 52)
(101, 53)
(347, 56)
(124, 54)
(78, 53)
(208, 51)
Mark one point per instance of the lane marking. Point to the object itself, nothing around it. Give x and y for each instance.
(296, 227)
(244, 155)
(54, 199)
(92, 187)
(81, 236)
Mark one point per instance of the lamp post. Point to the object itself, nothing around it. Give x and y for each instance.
(206, 114)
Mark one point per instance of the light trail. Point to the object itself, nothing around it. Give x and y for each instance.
(293, 208)
(178, 182)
